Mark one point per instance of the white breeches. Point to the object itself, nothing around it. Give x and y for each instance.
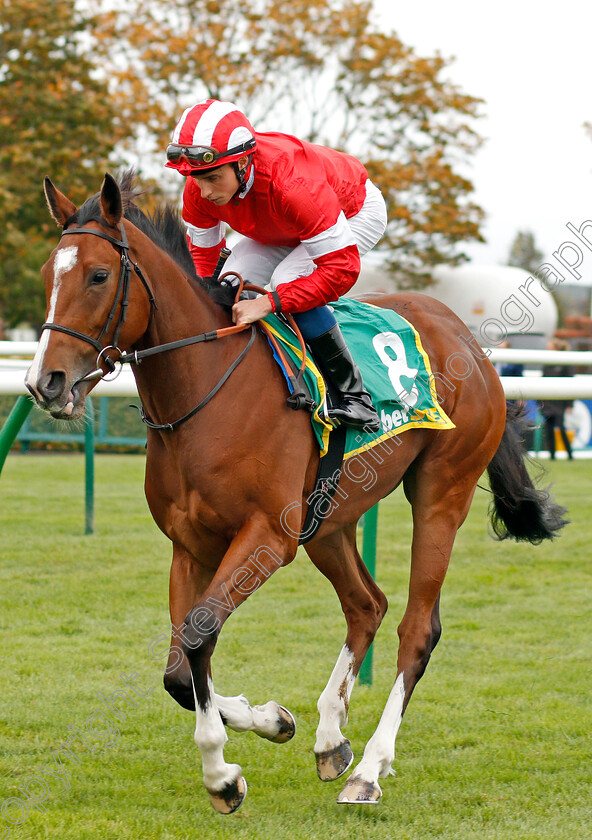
(271, 265)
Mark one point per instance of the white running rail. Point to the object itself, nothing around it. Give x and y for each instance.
(12, 373)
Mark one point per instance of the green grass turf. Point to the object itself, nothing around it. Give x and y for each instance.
(495, 743)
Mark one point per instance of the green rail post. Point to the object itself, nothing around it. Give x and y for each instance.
(538, 432)
(12, 427)
(89, 460)
(369, 558)
(103, 424)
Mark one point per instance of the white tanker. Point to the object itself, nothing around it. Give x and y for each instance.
(494, 301)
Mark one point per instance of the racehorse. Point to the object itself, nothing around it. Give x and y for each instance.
(229, 486)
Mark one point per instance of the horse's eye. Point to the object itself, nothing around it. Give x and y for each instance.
(99, 276)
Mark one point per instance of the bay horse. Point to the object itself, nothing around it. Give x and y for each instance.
(229, 487)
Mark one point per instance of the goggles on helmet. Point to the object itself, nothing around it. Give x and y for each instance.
(205, 156)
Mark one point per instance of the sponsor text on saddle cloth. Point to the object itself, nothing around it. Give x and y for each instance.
(395, 369)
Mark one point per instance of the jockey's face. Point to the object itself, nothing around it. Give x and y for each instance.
(220, 185)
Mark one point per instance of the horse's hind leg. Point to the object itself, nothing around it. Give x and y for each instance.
(438, 512)
(364, 606)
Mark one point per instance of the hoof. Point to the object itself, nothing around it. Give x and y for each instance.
(333, 763)
(358, 791)
(230, 798)
(287, 727)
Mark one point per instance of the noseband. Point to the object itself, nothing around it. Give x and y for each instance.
(122, 293)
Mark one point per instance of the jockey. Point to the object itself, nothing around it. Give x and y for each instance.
(306, 213)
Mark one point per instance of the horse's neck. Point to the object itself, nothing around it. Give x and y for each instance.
(182, 308)
(171, 380)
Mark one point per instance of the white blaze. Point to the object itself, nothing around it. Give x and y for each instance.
(64, 261)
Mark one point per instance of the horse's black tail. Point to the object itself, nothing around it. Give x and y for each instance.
(519, 509)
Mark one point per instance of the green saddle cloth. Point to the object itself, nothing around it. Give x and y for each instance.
(394, 366)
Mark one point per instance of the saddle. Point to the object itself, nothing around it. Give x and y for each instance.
(395, 369)
(397, 373)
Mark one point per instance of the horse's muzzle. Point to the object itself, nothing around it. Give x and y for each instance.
(50, 387)
(52, 393)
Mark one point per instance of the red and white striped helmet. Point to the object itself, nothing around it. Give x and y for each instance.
(209, 135)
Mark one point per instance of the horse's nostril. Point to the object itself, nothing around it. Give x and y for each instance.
(52, 385)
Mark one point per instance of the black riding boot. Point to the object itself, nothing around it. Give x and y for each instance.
(336, 364)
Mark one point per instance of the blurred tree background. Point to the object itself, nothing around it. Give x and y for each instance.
(85, 87)
(56, 118)
(524, 252)
(569, 300)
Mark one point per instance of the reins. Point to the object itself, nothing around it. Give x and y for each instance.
(171, 426)
(137, 356)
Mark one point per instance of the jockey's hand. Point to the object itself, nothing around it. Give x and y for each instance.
(247, 311)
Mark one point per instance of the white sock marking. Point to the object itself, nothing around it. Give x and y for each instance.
(334, 702)
(210, 737)
(380, 749)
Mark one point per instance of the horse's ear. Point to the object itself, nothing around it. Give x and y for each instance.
(60, 207)
(111, 204)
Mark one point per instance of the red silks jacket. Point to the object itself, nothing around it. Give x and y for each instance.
(297, 192)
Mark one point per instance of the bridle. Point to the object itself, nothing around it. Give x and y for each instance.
(122, 293)
(122, 297)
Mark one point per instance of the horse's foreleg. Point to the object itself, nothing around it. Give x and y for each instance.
(224, 782)
(364, 606)
(270, 721)
(435, 527)
(252, 557)
(188, 580)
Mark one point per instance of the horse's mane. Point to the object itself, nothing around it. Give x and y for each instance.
(164, 227)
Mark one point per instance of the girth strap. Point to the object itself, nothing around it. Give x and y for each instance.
(328, 475)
